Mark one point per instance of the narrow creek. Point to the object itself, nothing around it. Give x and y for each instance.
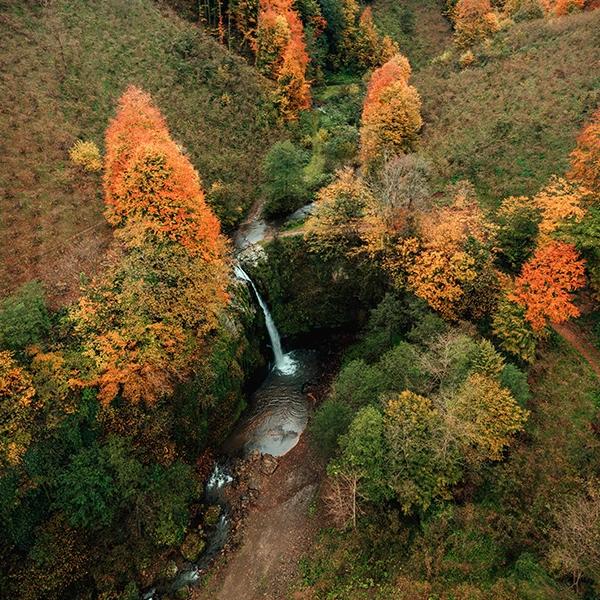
(276, 418)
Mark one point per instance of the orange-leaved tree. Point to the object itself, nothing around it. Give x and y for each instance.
(391, 117)
(142, 324)
(474, 20)
(447, 263)
(151, 186)
(546, 284)
(585, 159)
(281, 53)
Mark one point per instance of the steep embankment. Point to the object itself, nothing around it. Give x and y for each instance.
(509, 122)
(63, 66)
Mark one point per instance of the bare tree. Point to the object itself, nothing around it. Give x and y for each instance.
(575, 549)
(341, 498)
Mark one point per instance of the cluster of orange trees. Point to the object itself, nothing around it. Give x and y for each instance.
(449, 252)
(281, 53)
(142, 325)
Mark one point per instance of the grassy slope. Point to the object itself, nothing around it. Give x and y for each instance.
(510, 122)
(418, 26)
(63, 70)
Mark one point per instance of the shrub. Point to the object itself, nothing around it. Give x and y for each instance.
(331, 420)
(86, 155)
(24, 318)
(284, 187)
(466, 59)
(515, 380)
(513, 331)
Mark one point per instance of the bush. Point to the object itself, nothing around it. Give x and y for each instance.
(515, 380)
(331, 420)
(285, 188)
(358, 384)
(86, 155)
(24, 318)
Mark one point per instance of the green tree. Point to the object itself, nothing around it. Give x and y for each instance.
(423, 458)
(284, 187)
(515, 380)
(86, 490)
(331, 419)
(484, 416)
(363, 455)
(24, 318)
(513, 331)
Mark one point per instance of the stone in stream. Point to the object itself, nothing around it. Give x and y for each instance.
(193, 546)
(212, 514)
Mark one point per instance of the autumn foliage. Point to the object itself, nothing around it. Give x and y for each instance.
(143, 322)
(558, 202)
(150, 185)
(391, 115)
(281, 53)
(474, 20)
(546, 283)
(17, 410)
(585, 159)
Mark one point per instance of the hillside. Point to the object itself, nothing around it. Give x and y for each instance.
(418, 26)
(64, 65)
(509, 121)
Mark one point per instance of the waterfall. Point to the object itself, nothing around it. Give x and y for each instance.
(283, 362)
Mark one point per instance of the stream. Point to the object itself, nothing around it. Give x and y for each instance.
(276, 419)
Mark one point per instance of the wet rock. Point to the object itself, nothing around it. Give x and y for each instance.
(193, 546)
(212, 514)
(182, 593)
(268, 464)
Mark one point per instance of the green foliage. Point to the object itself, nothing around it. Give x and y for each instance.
(306, 293)
(423, 462)
(332, 419)
(358, 384)
(486, 360)
(517, 236)
(284, 187)
(515, 380)
(24, 318)
(513, 331)
(85, 490)
(363, 455)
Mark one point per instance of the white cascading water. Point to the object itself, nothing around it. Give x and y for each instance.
(283, 362)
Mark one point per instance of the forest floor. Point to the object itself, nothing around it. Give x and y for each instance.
(577, 339)
(278, 530)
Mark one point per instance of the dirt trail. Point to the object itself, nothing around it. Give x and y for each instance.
(277, 531)
(574, 336)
